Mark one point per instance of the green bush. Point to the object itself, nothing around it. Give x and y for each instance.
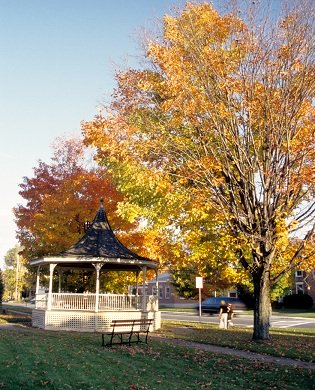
(244, 293)
(298, 301)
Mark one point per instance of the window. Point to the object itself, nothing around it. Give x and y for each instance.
(167, 292)
(160, 292)
(299, 288)
(299, 274)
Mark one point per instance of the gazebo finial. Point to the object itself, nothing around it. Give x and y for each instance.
(102, 201)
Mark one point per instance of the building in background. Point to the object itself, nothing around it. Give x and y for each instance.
(168, 297)
(304, 282)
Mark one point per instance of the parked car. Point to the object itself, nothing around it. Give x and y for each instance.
(212, 305)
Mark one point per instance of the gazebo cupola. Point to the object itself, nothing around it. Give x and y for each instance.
(101, 250)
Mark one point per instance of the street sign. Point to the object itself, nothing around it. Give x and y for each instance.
(199, 282)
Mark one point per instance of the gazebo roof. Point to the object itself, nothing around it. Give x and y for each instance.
(98, 245)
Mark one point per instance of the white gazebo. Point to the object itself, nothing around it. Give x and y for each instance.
(98, 250)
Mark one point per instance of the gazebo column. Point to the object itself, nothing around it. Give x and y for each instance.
(37, 280)
(37, 285)
(97, 267)
(51, 274)
(137, 283)
(137, 289)
(144, 293)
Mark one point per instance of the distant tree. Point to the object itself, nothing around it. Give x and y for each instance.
(10, 258)
(184, 281)
(9, 277)
(15, 272)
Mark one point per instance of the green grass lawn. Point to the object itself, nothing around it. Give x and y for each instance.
(37, 359)
(56, 360)
(15, 308)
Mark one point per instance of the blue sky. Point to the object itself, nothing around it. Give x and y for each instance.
(57, 64)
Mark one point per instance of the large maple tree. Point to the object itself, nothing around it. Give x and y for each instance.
(220, 128)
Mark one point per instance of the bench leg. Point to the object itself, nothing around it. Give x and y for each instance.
(129, 339)
(110, 343)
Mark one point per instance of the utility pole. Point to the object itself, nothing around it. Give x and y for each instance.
(199, 285)
(17, 272)
(17, 276)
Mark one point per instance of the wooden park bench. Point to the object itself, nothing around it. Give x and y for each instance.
(129, 328)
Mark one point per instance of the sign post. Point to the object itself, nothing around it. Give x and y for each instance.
(199, 285)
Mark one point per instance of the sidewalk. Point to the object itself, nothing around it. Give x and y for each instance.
(16, 327)
(238, 353)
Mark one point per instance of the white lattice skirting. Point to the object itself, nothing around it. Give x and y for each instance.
(87, 321)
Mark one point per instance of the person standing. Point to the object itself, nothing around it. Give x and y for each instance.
(223, 315)
(230, 315)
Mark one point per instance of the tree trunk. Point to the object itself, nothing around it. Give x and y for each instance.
(262, 308)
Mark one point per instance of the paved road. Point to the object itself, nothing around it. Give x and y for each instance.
(242, 320)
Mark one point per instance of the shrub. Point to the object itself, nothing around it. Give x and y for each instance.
(245, 295)
(298, 301)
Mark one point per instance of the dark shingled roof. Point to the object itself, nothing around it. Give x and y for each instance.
(100, 241)
(98, 245)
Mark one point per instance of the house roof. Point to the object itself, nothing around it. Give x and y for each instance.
(164, 277)
(98, 245)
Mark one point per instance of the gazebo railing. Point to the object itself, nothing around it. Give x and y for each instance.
(65, 301)
(73, 301)
(118, 302)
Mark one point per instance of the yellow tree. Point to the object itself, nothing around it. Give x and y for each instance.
(179, 227)
(224, 115)
(15, 273)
